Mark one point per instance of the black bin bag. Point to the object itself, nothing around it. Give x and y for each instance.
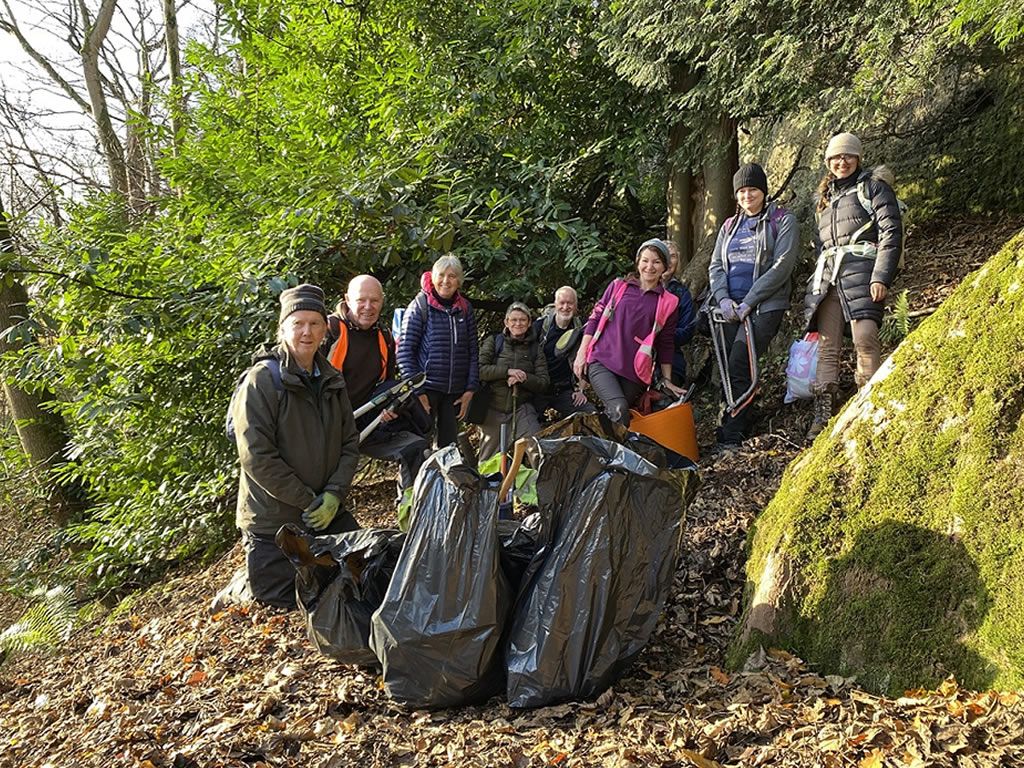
(340, 581)
(438, 631)
(591, 597)
(519, 543)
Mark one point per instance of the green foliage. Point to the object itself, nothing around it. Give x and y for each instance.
(904, 523)
(829, 61)
(977, 20)
(329, 140)
(332, 139)
(48, 622)
(896, 326)
(966, 146)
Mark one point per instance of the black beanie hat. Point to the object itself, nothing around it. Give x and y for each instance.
(750, 175)
(305, 296)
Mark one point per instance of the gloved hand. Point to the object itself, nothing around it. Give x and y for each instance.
(319, 514)
(728, 309)
(742, 311)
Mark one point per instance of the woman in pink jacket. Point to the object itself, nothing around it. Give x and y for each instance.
(616, 329)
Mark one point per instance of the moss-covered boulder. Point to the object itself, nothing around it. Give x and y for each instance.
(894, 548)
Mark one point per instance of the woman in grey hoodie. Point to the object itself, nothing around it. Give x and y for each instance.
(751, 274)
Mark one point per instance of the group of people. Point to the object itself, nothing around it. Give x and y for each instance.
(299, 441)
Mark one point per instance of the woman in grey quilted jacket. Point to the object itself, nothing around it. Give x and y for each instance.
(860, 241)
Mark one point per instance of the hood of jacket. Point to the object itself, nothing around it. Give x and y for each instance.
(427, 284)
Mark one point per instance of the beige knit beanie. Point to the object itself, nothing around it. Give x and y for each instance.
(843, 144)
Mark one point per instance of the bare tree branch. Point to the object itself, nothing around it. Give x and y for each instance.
(9, 24)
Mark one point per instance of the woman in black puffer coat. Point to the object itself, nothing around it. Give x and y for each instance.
(860, 241)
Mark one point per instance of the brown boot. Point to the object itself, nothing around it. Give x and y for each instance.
(824, 401)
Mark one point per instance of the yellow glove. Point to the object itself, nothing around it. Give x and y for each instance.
(321, 512)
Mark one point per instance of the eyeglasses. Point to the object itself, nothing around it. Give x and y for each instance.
(842, 158)
(517, 320)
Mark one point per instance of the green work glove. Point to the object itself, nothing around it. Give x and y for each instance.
(321, 512)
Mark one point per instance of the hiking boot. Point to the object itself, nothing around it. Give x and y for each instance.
(824, 401)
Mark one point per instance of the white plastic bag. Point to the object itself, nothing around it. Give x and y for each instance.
(802, 368)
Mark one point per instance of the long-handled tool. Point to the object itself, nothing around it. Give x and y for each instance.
(509, 480)
(733, 403)
(391, 398)
(507, 433)
(403, 386)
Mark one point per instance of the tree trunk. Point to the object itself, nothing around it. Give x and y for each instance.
(679, 192)
(722, 160)
(177, 98)
(92, 40)
(42, 433)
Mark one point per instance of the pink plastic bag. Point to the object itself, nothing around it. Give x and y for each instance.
(802, 368)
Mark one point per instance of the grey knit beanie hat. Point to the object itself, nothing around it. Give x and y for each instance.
(659, 245)
(843, 144)
(305, 296)
(518, 306)
(750, 175)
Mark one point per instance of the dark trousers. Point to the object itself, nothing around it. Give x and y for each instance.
(561, 402)
(446, 421)
(271, 574)
(391, 442)
(617, 393)
(766, 325)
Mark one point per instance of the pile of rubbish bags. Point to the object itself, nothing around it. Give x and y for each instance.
(466, 606)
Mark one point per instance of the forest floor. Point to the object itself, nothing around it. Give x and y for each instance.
(163, 682)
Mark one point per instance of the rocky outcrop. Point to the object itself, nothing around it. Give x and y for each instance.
(894, 548)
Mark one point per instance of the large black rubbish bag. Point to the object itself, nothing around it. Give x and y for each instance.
(519, 542)
(438, 631)
(340, 581)
(592, 596)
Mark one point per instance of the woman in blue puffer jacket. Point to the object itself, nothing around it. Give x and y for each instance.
(439, 339)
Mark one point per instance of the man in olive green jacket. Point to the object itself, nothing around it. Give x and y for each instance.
(297, 444)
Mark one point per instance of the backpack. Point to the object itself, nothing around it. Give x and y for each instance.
(773, 220)
(865, 203)
(570, 337)
(274, 365)
(398, 318)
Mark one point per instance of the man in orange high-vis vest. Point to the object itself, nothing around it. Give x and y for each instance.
(364, 352)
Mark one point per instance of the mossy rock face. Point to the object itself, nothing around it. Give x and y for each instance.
(894, 548)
